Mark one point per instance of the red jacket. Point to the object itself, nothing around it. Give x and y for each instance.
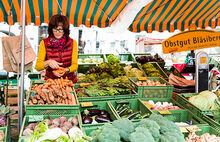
(62, 56)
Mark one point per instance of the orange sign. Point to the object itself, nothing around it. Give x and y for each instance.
(191, 40)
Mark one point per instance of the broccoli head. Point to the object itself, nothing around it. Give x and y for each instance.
(141, 134)
(125, 127)
(153, 127)
(174, 134)
(109, 134)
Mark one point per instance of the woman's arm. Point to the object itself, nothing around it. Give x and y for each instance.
(74, 64)
(41, 57)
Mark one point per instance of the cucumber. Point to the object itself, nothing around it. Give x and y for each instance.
(138, 116)
(146, 115)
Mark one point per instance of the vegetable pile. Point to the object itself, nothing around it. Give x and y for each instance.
(160, 106)
(55, 131)
(4, 112)
(93, 116)
(207, 98)
(150, 70)
(192, 137)
(53, 92)
(124, 111)
(2, 136)
(62, 122)
(105, 87)
(133, 72)
(149, 83)
(145, 59)
(90, 61)
(155, 129)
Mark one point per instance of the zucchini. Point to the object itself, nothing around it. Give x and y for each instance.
(146, 115)
(124, 116)
(138, 116)
(118, 106)
(133, 114)
(128, 111)
(122, 111)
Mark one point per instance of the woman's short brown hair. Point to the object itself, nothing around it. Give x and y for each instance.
(54, 23)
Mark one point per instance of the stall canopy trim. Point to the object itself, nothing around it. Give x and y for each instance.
(87, 12)
(161, 15)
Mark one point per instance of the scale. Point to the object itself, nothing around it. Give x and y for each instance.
(202, 71)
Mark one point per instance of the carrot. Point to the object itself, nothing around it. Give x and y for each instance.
(30, 102)
(56, 81)
(56, 90)
(48, 99)
(37, 97)
(73, 100)
(45, 85)
(63, 101)
(40, 102)
(56, 100)
(68, 95)
(51, 97)
(64, 93)
(66, 101)
(42, 95)
(70, 84)
(62, 82)
(37, 90)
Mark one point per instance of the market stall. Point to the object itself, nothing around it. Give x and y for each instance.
(125, 97)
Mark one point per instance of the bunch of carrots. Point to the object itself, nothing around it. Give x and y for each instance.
(53, 92)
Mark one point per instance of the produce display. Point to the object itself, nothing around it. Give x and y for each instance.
(102, 71)
(105, 87)
(145, 59)
(90, 61)
(160, 105)
(192, 137)
(150, 70)
(4, 112)
(133, 72)
(53, 92)
(124, 111)
(178, 81)
(207, 98)
(149, 83)
(2, 136)
(155, 129)
(55, 130)
(94, 116)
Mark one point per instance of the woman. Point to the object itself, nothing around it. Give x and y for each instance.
(58, 51)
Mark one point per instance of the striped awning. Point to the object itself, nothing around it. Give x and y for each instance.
(87, 12)
(161, 15)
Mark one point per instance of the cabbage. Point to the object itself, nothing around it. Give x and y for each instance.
(204, 101)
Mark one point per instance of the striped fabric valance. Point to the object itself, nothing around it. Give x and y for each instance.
(161, 15)
(88, 12)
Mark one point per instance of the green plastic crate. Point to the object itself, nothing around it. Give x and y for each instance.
(50, 109)
(92, 56)
(5, 130)
(157, 66)
(153, 91)
(211, 122)
(183, 100)
(102, 105)
(134, 104)
(26, 122)
(205, 129)
(124, 58)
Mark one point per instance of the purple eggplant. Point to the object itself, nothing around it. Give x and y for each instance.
(87, 120)
(104, 113)
(101, 119)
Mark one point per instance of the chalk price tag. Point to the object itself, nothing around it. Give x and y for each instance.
(35, 118)
(183, 130)
(142, 78)
(193, 128)
(86, 104)
(164, 112)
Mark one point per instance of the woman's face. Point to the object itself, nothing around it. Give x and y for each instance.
(58, 31)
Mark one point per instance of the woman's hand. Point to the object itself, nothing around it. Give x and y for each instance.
(58, 74)
(53, 64)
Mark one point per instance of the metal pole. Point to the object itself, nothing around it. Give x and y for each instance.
(22, 65)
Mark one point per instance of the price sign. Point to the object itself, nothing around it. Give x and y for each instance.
(35, 118)
(193, 128)
(203, 60)
(183, 130)
(164, 112)
(142, 78)
(86, 104)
